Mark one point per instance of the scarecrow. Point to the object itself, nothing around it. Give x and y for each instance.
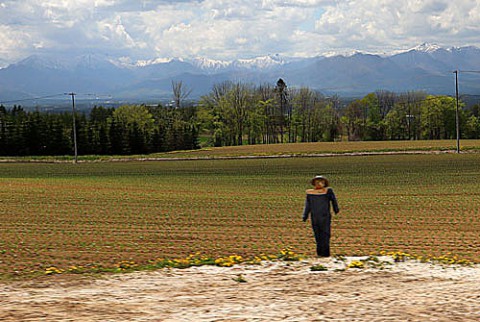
(318, 203)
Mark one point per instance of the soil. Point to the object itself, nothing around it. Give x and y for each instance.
(272, 291)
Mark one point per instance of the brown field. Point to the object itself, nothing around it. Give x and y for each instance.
(97, 215)
(61, 222)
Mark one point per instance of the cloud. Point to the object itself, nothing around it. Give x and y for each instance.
(228, 29)
(377, 24)
(12, 40)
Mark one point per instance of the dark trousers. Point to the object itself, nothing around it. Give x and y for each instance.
(322, 237)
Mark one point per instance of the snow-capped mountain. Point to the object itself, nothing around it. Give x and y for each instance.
(213, 65)
(260, 63)
(426, 48)
(210, 65)
(426, 67)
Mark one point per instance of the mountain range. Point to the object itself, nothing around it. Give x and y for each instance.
(425, 67)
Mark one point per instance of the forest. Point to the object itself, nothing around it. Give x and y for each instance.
(236, 113)
(128, 129)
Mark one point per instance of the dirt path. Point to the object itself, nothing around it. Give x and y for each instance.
(273, 291)
(242, 157)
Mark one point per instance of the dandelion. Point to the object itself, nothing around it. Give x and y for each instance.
(356, 264)
(53, 270)
(287, 254)
(123, 265)
(224, 262)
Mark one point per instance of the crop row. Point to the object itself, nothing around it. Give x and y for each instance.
(101, 214)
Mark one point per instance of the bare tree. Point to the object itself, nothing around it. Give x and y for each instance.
(386, 101)
(180, 93)
(266, 92)
(304, 100)
(220, 90)
(239, 100)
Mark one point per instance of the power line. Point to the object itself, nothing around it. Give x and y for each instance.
(97, 96)
(417, 101)
(469, 71)
(32, 99)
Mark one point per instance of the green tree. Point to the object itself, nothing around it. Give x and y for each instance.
(213, 111)
(3, 130)
(59, 141)
(266, 94)
(18, 141)
(372, 118)
(256, 120)
(98, 138)
(394, 123)
(438, 117)
(331, 123)
(136, 123)
(472, 128)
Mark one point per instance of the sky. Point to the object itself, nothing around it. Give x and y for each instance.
(231, 29)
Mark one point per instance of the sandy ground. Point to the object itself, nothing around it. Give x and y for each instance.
(273, 291)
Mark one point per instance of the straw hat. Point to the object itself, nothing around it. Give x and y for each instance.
(312, 181)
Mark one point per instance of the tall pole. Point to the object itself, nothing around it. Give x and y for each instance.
(75, 160)
(457, 118)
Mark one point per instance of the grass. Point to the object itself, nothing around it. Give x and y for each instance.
(93, 215)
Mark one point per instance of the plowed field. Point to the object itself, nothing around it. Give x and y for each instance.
(100, 214)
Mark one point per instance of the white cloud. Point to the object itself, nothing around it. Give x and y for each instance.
(114, 32)
(228, 29)
(377, 24)
(12, 40)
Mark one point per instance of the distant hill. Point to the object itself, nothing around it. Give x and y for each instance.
(426, 67)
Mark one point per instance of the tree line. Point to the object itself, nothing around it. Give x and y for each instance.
(129, 129)
(236, 113)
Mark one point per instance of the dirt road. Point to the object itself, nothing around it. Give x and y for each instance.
(273, 291)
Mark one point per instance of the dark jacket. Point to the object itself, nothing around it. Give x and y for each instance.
(318, 205)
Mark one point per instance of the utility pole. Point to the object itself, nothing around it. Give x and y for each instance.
(75, 160)
(457, 118)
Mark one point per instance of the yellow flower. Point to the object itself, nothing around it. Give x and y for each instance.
(53, 270)
(356, 264)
